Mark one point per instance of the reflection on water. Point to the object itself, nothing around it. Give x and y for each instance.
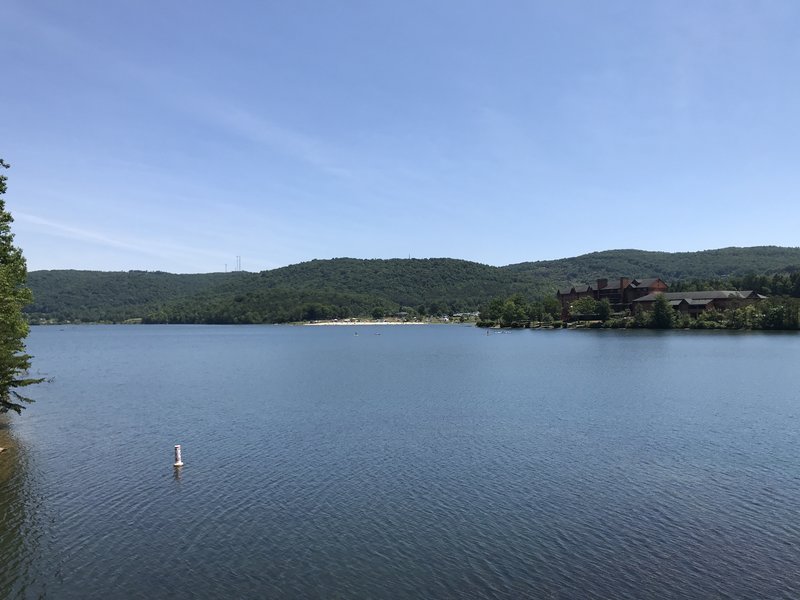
(11, 508)
(20, 532)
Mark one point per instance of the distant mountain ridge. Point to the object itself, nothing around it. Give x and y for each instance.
(342, 287)
(703, 264)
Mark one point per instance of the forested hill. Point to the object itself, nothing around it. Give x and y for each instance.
(69, 295)
(345, 287)
(670, 266)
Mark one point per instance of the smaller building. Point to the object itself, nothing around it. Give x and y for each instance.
(640, 294)
(694, 303)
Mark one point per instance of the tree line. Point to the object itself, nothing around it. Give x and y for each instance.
(785, 284)
(14, 295)
(348, 287)
(516, 311)
(778, 312)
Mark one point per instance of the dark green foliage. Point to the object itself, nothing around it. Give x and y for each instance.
(773, 314)
(780, 312)
(785, 283)
(518, 312)
(670, 266)
(94, 296)
(617, 323)
(642, 319)
(585, 307)
(347, 287)
(337, 288)
(603, 310)
(492, 310)
(514, 311)
(663, 315)
(551, 307)
(14, 362)
(777, 314)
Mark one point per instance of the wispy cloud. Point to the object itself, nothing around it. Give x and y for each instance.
(150, 246)
(185, 95)
(300, 146)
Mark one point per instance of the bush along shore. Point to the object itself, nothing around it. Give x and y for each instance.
(777, 314)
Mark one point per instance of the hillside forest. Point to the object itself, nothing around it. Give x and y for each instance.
(344, 288)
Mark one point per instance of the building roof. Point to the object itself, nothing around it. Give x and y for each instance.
(687, 301)
(707, 295)
(614, 284)
(576, 289)
(645, 283)
(699, 301)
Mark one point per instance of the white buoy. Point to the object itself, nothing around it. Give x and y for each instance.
(178, 461)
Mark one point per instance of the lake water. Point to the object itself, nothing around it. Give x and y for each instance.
(423, 462)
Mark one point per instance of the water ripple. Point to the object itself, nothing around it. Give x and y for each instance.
(419, 464)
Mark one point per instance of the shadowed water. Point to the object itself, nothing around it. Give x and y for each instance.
(430, 462)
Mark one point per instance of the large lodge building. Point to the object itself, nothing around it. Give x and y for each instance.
(640, 294)
(620, 294)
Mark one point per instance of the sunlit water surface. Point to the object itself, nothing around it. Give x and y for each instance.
(403, 462)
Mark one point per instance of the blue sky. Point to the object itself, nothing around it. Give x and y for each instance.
(177, 135)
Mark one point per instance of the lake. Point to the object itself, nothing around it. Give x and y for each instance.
(403, 462)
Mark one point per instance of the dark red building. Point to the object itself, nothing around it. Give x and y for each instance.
(620, 293)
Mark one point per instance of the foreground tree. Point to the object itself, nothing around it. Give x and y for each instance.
(603, 309)
(585, 307)
(515, 310)
(663, 314)
(14, 362)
